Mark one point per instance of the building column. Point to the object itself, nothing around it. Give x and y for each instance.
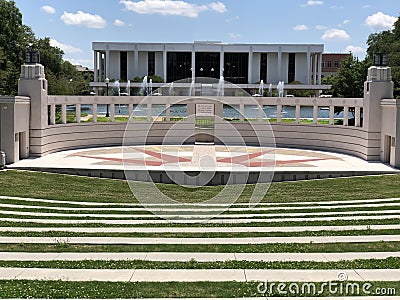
(308, 66)
(193, 63)
(136, 62)
(221, 61)
(101, 67)
(165, 64)
(315, 58)
(320, 69)
(108, 63)
(250, 74)
(127, 66)
(280, 63)
(96, 66)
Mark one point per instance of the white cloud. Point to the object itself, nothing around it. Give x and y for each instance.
(218, 7)
(321, 27)
(235, 36)
(300, 27)
(48, 9)
(119, 23)
(84, 19)
(355, 49)
(313, 3)
(379, 21)
(335, 34)
(346, 22)
(66, 48)
(367, 6)
(232, 19)
(171, 7)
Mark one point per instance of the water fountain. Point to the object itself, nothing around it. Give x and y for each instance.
(128, 88)
(280, 88)
(221, 87)
(270, 90)
(150, 91)
(143, 88)
(117, 88)
(171, 89)
(261, 88)
(191, 90)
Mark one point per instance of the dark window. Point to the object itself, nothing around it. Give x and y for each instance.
(329, 64)
(336, 64)
(323, 64)
(151, 63)
(207, 64)
(123, 74)
(179, 65)
(236, 68)
(292, 67)
(263, 67)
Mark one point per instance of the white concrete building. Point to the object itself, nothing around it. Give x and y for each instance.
(238, 63)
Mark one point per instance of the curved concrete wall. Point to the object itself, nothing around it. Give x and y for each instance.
(342, 139)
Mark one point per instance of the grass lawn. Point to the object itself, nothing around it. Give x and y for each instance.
(64, 246)
(104, 290)
(388, 263)
(64, 187)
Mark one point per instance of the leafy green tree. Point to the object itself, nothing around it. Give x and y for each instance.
(349, 80)
(388, 42)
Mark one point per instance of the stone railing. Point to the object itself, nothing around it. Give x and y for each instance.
(317, 111)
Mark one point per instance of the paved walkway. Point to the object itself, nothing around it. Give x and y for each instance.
(197, 229)
(200, 241)
(200, 256)
(213, 275)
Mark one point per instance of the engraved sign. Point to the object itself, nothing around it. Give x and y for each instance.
(204, 110)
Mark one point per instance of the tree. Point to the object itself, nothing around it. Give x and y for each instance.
(388, 42)
(349, 80)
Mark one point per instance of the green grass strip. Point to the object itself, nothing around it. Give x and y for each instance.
(63, 187)
(107, 290)
(65, 246)
(201, 234)
(388, 263)
(250, 224)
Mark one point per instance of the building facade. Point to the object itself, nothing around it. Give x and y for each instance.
(332, 62)
(238, 63)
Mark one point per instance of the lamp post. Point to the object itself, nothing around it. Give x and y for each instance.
(108, 105)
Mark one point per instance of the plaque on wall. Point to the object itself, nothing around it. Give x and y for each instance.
(205, 110)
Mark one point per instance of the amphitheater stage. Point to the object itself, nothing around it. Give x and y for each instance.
(161, 164)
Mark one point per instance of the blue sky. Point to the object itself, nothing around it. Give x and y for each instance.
(341, 25)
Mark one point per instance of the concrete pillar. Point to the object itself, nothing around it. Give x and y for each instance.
(222, 61)
(297, 114)
(241, 111)
(108, 63)
(315, 114)
(52, 114)
(331, 115)
(94, 108)
(260, 113)
(168, 112)
(320, 69)
(250, 70)
(315, 58)
(78, 112)
(136, 62)
(165, 63)
(280, 63)
(149, 118)
(112, 112)
(193, 63)
(308, 65)
(358, 117)
(101, 76)
(96, 66)
(279, 113)
(63, 113)
(346, 116)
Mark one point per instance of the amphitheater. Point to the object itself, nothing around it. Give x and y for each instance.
(72, 247)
